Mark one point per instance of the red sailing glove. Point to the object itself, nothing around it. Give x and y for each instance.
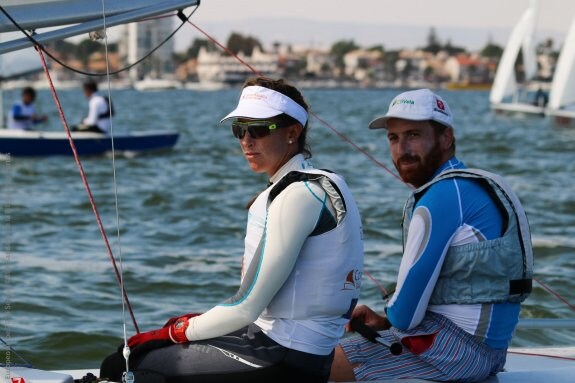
(144, 342)
(144, 337)
(173, 332)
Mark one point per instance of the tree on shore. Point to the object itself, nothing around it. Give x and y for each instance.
(238, 43)
(340, 49)
(492, 51)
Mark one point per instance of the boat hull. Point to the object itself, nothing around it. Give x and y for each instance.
(518, 109)
(37, 144)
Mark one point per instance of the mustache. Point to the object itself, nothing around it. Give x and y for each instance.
(407, 158)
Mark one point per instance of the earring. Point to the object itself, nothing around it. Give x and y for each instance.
(290, 142)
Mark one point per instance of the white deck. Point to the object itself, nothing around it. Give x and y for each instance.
(544, 366)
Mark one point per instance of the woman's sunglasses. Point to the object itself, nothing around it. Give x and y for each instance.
(256, 129)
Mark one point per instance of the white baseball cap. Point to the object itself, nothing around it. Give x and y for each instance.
(259, 102)
(416, 105)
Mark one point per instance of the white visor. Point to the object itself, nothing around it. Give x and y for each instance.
(258, 102)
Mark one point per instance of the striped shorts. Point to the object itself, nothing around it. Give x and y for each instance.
(454, 356)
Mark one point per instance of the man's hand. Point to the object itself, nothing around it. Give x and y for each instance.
(366, 315)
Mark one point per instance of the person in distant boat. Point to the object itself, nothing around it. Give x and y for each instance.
(302, 265)
(467, 260)
(541, 98)
(98, 119)
(23, 113)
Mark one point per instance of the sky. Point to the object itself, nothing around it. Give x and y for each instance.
(465, 22)
(394, 24)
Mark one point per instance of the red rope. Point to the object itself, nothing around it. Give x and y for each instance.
(341, 135)
(381, 288)
(349, 141)
(365, 153)
(87, 186)
(547, 356)
(556, 295)
(224, 48)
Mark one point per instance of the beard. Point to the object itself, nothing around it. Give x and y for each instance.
(417, 170)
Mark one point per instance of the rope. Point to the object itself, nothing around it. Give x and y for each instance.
(535, 354)
(94, 74)
(349, 141)
(26, 364)
(86, 185)
(321, 120)
(383, 290)
(556, 295)
(180, 15)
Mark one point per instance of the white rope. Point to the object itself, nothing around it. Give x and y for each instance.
(127, 376)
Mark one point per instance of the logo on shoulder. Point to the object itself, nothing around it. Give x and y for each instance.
(353, 280)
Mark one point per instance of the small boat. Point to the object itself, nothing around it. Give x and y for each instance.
(507, 95)
(155, 84)
(36, 143)
(562, 96)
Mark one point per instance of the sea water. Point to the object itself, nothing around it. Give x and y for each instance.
(182, 214)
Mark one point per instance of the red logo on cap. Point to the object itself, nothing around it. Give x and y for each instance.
(18, 380)
(440, 104)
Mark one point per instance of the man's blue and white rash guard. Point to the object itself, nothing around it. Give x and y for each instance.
(452, 212)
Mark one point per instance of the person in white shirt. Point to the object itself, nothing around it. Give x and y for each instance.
(23, 114)
(302, 266)
(99, 111)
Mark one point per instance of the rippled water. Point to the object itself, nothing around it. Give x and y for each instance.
(182, 214)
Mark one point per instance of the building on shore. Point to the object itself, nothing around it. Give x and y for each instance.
(139, 39)
(213, 67)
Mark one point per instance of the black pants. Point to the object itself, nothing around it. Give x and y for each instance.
(87, 128)
(246, 355)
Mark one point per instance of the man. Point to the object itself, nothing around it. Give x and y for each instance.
(98, 119)
(466, 265)
(23, 114)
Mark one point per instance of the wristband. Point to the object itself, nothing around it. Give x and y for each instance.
(178, 330)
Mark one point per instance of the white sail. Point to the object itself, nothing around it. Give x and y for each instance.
(562, 91)
(87, 14)
(528, 50)
(505, 83)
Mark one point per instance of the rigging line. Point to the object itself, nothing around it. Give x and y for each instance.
(181, 16)
(383, 290)
(556, 295)
(86, 185)
(536, 354)
(341, 135)
(115, 183)
(27, 364)
(321, 120)
(114, 177)
(93, 74)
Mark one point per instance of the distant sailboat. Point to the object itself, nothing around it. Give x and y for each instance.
(506, 92)
(74, 17)
(562, 97)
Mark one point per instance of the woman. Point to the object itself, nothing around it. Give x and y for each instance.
(302, 262)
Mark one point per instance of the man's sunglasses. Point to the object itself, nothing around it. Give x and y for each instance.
(256, 129)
